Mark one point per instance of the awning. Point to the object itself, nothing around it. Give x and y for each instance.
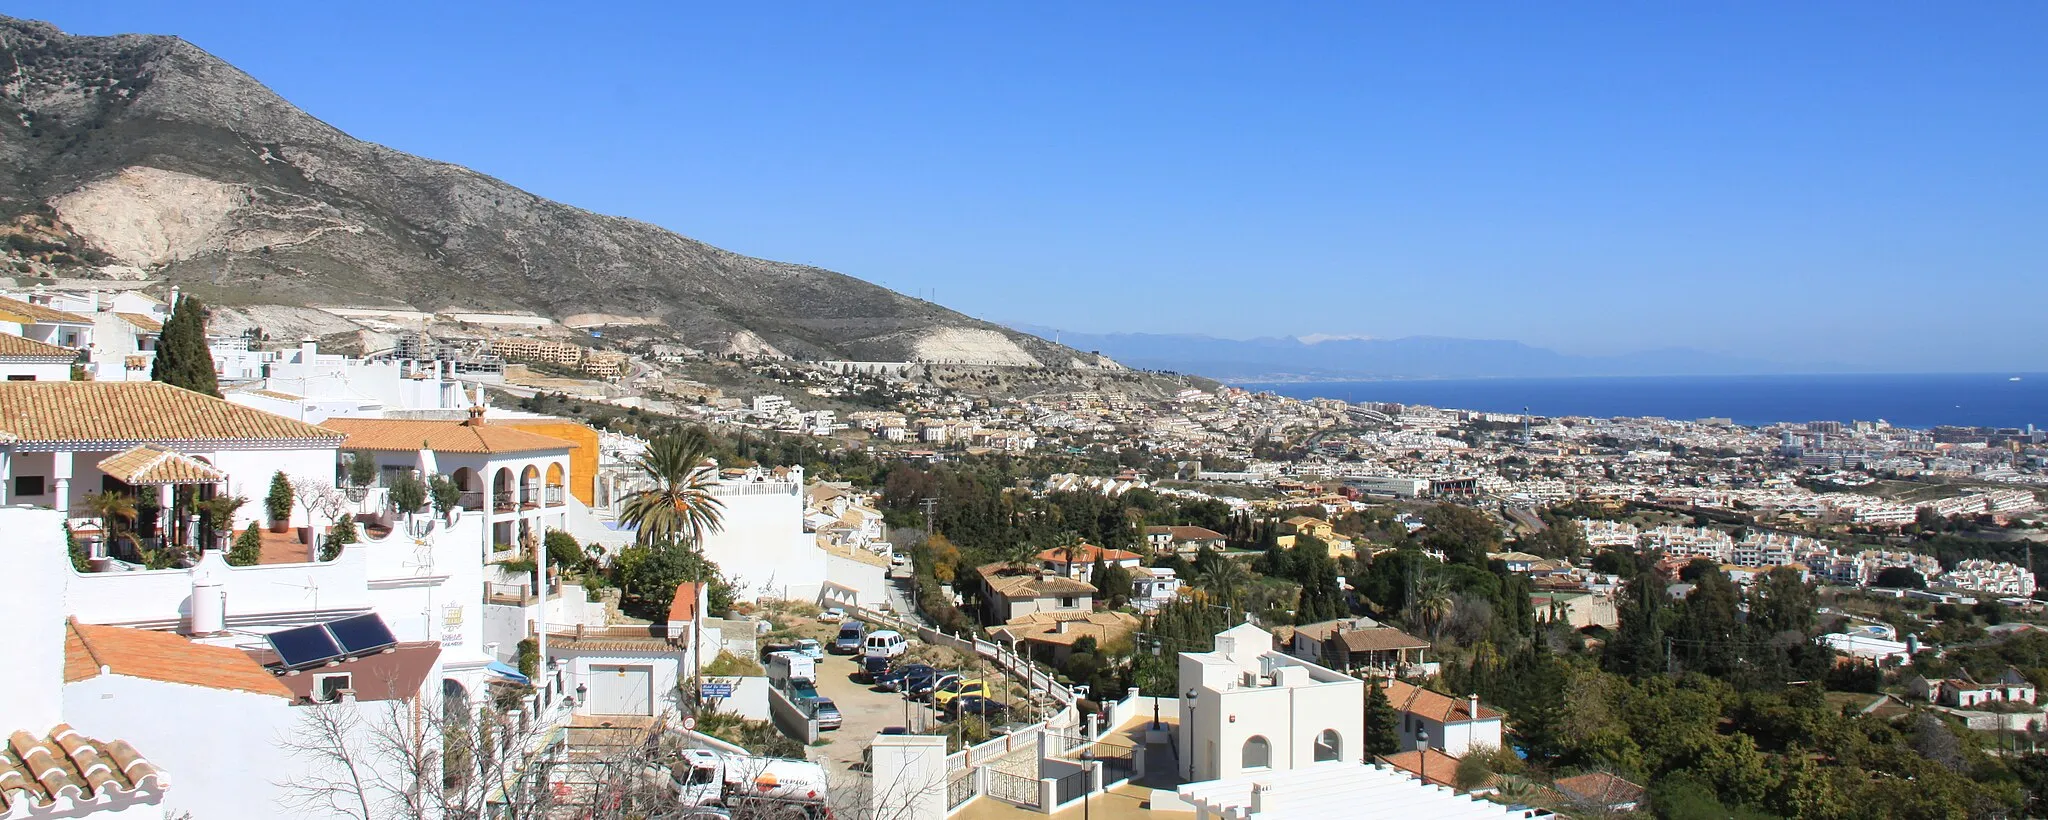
(505, 670)
(152, 465)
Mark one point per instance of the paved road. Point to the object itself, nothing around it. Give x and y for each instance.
(865, 712)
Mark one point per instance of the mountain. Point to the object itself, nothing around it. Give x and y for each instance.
(144, 156)
(1325, 358)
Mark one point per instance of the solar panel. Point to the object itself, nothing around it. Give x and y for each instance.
(361, 634)
(304, 646)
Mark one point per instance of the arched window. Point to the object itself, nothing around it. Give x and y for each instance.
(1329, 746)
(1258, 754)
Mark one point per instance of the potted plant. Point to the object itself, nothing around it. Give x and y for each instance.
(217, 514)
(362, 472)
(446, 495)
(279, 503)
(408, 494)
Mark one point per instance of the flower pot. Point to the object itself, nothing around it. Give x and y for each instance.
(305, 535)
(280, 526)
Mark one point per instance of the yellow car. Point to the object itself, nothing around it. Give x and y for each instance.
(955, 687)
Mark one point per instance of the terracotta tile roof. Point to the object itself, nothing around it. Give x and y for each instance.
(142, 322)
(408, 435)
(151, 464)
(38, 314)
(1441, 769)
(90, 651)
(1599, 789)
(1087, 555)
(138, 412)
(1380, 639)
(1044, 627)
(1023, 583)
(1435, 706)
(67, 766)
(641, 638)
(21, 347)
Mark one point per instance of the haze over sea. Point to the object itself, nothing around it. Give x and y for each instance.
(1905, 400)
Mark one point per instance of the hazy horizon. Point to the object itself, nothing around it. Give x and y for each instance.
(1824, 182)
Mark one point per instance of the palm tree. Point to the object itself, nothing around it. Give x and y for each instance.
(680, 507)
(1432, 604)
(1225, 577)
(116, 512)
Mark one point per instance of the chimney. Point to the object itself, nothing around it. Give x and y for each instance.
(476, 416)
(1472, 705)
(308, 348)
(1060, 627)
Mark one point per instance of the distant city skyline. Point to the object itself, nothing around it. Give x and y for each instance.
(1820, 182)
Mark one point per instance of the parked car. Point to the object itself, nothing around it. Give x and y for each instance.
(910, 678)
(851, 634)
(811, 648)
(833, 614)
(978, 706)
(872, 669)
(783, 646)
(826, 712)
(956, 687)
(887, 643)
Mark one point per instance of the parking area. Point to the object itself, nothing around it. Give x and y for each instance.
(865, 713)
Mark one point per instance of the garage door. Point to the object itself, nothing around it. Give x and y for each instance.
(621, 690)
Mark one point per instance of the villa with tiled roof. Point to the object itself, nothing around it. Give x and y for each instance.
(63, 440)
(518, 478)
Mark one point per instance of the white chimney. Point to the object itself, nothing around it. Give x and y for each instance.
(209, 605)
(1472, 702)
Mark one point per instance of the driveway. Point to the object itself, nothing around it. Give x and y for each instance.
(865, 713)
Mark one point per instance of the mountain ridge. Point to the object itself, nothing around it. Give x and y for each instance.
(144, 155)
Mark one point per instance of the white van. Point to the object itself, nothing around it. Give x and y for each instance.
(887, 643)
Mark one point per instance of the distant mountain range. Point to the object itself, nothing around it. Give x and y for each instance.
(1325, 358)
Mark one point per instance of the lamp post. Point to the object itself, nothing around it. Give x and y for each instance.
(1087, 779)
(1188, 732)
(1422, 753)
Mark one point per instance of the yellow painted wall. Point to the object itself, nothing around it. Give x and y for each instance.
(582, 450)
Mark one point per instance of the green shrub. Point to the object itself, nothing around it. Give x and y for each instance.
(408, 494)
(342, 534)
(529, 658)
(278, 502)
(248, 549)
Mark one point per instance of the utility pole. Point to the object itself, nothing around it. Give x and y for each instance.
(930, 506)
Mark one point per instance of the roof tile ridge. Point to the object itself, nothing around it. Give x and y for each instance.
(99, 666)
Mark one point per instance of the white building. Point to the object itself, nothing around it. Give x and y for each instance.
(1346, 789)
(1246, 708)
(1454, 725)
(26, 360)
(517, 478)
(61, 436)
(311, 386)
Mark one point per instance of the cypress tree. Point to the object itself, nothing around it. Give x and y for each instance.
(182, 358)
(1382, 725)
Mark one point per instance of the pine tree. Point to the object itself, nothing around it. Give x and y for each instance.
(182, 358)
(1382, 725)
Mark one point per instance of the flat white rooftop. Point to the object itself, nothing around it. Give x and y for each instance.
(1338, 789)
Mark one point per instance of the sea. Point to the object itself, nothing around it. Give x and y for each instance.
(1904, 400)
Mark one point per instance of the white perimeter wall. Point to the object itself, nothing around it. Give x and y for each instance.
(764, 548)
(870, 581)
(218, 746)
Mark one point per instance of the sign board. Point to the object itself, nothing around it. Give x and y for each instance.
(690, 723)
(717, 690)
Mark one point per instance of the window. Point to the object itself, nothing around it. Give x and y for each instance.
(1329, 746)
(28, 485)
(328, 688)
(1258, 754)
(21, 377)
(1067, 602)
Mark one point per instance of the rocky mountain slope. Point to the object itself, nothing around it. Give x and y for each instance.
(144, 155)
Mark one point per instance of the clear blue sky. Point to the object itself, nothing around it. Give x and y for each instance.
(1861, 182)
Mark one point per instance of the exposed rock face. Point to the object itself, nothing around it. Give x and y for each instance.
(156, 156)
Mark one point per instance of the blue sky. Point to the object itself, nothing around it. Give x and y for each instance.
(1856, 182)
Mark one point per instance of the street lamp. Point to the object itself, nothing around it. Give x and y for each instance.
(1422, 753)
(1188, 732)
(1087, 779)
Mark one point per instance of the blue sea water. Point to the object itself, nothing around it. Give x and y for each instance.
(1905, 400)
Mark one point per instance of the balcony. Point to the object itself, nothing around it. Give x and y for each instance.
(553, 496)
